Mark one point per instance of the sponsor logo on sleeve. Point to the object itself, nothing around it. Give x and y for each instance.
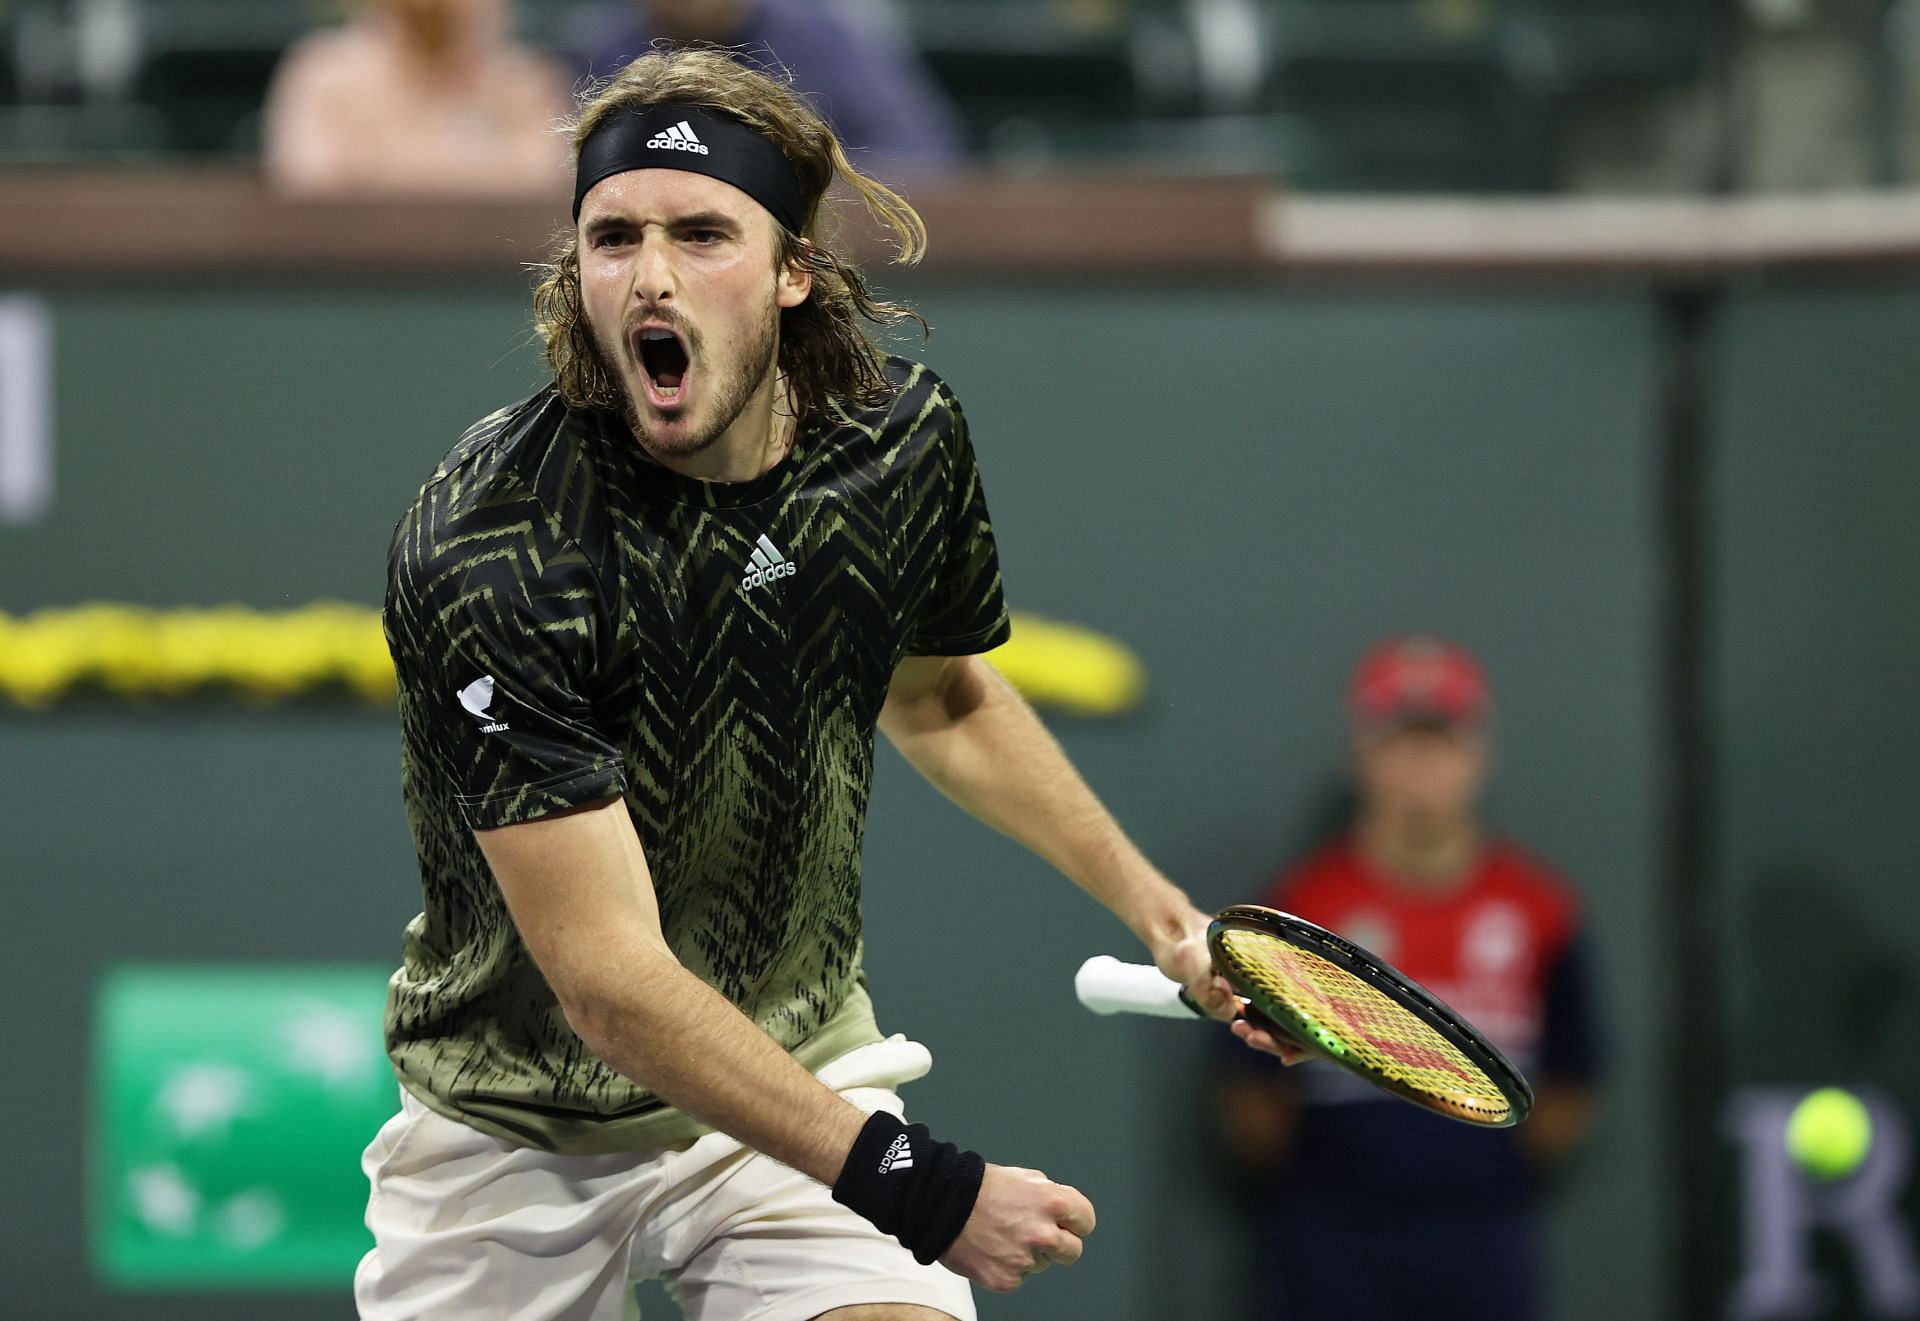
(477, 697)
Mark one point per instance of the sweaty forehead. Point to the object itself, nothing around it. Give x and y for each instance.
(663, 195)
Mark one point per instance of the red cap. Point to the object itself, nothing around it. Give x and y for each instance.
(1410, 679)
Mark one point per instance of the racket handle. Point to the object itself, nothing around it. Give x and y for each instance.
(1108, 986)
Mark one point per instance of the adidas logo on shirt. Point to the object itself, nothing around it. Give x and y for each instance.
(899, 1156)
(768, 564)
(678, 138)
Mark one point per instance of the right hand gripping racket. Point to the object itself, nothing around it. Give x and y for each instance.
(1340, 1003)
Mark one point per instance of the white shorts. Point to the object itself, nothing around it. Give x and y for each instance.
(469, 1226)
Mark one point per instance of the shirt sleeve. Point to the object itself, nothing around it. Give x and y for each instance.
(965, 610)
(1570, 1041)
(494, 621)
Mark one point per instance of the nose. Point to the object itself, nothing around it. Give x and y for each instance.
(654, 278)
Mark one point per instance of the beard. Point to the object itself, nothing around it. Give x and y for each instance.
(729, 395)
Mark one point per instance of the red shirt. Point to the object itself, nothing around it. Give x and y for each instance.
(1485, 945)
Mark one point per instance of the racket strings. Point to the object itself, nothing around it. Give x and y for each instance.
(1351, 1019)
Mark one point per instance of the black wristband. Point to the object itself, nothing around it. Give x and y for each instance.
(918, 1190)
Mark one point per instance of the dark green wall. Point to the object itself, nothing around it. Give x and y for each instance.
(254, 445)
(1247, 486)
(1819, 585)
(1817, 579)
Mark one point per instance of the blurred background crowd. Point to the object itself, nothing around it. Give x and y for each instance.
(1476, 96)
(1476, 436)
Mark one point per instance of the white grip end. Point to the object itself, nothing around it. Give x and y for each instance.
(1108, 986)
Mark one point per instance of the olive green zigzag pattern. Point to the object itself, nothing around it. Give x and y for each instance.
(758, 822)
(473, 1017)
(753, 819)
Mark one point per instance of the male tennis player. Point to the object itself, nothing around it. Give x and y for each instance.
(646, 624)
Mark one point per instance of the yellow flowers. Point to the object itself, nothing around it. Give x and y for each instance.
(333, 648)
(128, 651)
(1067, 668)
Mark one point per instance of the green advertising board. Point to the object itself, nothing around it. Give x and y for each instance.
(230, 1107)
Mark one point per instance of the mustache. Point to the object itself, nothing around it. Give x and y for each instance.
(666, 316)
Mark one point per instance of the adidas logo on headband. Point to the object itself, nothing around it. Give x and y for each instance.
(664, 136)
(678, 138)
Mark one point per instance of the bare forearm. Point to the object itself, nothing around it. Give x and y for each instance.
(982, 745)
(682, 1040)
(581, 895)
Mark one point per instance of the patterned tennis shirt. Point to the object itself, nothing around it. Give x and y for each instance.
(571, 621)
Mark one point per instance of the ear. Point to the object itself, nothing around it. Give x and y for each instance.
(794, 283)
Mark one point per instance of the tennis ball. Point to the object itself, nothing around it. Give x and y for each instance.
(1829, 1132)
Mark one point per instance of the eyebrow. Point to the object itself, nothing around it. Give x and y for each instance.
(706, 220)
(601, 224)
(696, 220)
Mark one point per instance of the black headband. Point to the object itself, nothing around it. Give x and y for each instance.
(685, 137)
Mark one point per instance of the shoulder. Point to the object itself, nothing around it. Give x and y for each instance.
(332, 59)
(916, 400)
(1322, 875)
(496, 455)
(518, 485)
(916, 380)
(1517, 875)
(917, 428)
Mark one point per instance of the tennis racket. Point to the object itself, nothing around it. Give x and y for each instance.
(1340, 1003)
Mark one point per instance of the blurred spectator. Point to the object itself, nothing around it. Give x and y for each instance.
(418, 96)
(1367, 1208)
(852, 61)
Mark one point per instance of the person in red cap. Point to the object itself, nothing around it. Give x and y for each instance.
(1368, 1208)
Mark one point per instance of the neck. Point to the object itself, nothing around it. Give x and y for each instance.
(750, 447)
(1425, 854)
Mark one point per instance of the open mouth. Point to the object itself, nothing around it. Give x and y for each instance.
(664, 364)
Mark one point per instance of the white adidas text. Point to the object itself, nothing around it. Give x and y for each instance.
(678, 138)
(899, 1155)
(761, 577)
(768, 564)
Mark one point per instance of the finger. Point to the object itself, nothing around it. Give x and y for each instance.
(1074, 1213)
(1215, 997)
(1259, 1022)
(1065, 1249)
(1266, 1042)
(1259, 1038)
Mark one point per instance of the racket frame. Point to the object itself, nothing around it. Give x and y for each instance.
(1390, 982)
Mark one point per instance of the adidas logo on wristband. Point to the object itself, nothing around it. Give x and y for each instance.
(927, 1206)
(899, 1155)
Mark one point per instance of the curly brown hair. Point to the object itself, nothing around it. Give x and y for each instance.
(824, 351)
